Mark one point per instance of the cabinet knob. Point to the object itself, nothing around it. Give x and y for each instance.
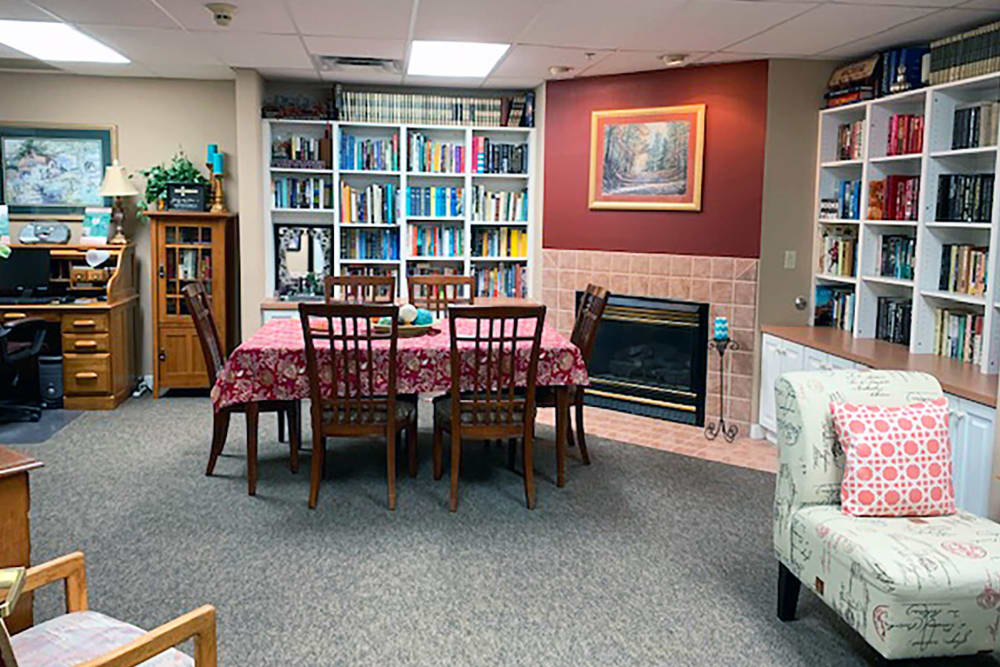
(163, 355)
(162, 272)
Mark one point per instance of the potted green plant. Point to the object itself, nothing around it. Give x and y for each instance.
(180, 170)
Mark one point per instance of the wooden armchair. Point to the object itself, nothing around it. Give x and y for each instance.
(359, 289)
(437, 293)
(91, 639)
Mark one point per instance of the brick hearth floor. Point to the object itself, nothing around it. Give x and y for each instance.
(673, 437)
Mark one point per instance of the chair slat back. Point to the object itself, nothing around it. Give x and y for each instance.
(200, 306)
(437, 293)
(499, 337)
(351, 366)
(588, 319)
(359, 289)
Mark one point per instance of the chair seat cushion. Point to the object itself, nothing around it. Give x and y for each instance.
(442, 411)
(80, 636)
(406, 410)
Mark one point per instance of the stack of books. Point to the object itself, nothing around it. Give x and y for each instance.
(428, 155)
(432, 269)
(969, 53)
(834, 307)
(369, 154)
(849, 140)
(377, 204)
(369, 244)
(906, 134)
(965, 197)
(500, 242)
(436, 240)
(434, 201)
(500, 205)
(958, 334)
(369, 270)
(892, 320)
(975, 125)
(963, 269)
(849, 199)
(894, 198)
(301, 152)
(363, 106)
(502, 279)
(896, 257)
(498, 158)
(829, 209)
(305, 193)
(839, 251)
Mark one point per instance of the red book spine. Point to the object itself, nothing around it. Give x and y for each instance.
(890, 146)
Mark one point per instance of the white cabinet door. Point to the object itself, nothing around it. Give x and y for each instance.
(959, 449)
(977, 432)
(814, 360)
(793, 357)
(770, 369)
(268, 315)
(840, 364)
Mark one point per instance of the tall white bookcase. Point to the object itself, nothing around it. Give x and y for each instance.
(937, 104)
(468, 262)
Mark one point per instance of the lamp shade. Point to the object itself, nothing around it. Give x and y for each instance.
(116, 183)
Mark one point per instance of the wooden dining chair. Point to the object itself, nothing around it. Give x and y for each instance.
(359, 289)
(437, 293)
(346, 399)
(588, 319)
(208, 333)
(490, 404)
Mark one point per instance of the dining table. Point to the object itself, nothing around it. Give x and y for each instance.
(270, 365)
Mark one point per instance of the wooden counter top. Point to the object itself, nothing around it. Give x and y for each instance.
(12, 463)
(956, 378)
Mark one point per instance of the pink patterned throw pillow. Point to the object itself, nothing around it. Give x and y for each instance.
(898, 459)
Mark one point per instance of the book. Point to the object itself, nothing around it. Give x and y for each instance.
(839, 251)
(958, 334)
(963, 269)
(905, 134)
(435, 201)
(312, 193)
(966, 54)
(382, 244)
(834, 307)
(876, 200)
(375, 204)
(96, 225)
(899, 197)
(500, 242)
(892, 319)
(369, 154)
(501, 279)
(849, 198)
(437, 240)
(499, 205)
(849, 140)
(975, 125)
(297, 151)
(431, 156)
(965, 197)
(896, 256)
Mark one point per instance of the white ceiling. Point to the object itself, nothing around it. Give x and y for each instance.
(177, 38)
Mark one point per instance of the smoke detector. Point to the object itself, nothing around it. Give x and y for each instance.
(359, 64)
(222, 13)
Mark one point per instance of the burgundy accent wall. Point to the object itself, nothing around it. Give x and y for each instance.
(728, 225)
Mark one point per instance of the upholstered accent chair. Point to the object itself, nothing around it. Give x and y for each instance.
(913, 587)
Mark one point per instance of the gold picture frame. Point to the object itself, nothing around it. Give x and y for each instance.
(648, 159)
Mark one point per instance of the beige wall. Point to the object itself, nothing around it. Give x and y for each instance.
(251, 160)
(155, 118)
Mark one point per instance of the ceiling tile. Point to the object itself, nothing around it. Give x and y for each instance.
(630, 61)
(15, 9)
(983, 4)
(174, 71)
(138, 13)
(727, 57)
(258, 50)
(288, 74)
(462, 20)
(104, 69)
(924, 29)
(511, 83)
(251, 16)
(153, 45)
(346, 46)
(363, 77)
(826, 27)
(377, 19)
(533, 62)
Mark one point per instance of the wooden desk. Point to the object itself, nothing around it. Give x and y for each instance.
(15, 547)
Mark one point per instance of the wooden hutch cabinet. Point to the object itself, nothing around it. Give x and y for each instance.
(186, 247)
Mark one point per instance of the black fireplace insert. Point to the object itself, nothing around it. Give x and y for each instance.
(650, 358)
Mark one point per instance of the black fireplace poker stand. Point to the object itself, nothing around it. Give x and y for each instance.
(713, 430)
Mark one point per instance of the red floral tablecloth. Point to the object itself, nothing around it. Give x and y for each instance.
(271, 364)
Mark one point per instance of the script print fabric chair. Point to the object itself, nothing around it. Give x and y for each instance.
(504, 343)
(912, 587)
(346, 367)
(90, 639)
(208, 334)
(437, 293)
(359, 289)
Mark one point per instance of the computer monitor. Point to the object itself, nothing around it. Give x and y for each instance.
(25, 271)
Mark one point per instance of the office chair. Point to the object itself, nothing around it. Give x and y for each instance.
(20, 344)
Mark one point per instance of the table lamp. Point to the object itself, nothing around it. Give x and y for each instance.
(117, 185)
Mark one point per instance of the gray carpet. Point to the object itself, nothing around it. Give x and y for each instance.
(644, 558)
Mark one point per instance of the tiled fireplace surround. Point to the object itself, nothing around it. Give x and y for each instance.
(727, 284)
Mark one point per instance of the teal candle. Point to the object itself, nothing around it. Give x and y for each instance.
(213, 149)
(217, 163)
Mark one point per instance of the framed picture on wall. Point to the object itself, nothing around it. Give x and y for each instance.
(647, 159)
(54, 171)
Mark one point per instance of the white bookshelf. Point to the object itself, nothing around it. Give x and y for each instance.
(403, 178)
(937, 104)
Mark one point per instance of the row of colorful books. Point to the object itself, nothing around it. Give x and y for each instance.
(976, 125)
(369, 244)
(437, 240)
(499, 205)
(500, 242)
(963, 269)
(850, 140)
(965, 197)
(906, 134)
(410, 107)
(499, 158)
(849, 199)
(896, 256)
(502, 279)
(304, 193)
(966, 54)
(434, 201)
(958, 334)
(428, 155)
(376, 204)
(839, 251)
(418, 268)
(834, 307)
(894, 198)
(369, 153)
(301, 152)
(892, 319)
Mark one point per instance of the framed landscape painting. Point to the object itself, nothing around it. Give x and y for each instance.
(647, 159)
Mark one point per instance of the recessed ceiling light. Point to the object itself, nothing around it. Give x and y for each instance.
(556, 70)
(56, 42)
(454, 59)
(674, 59)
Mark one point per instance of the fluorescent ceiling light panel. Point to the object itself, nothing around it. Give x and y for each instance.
(56, 42)
(454, 59)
